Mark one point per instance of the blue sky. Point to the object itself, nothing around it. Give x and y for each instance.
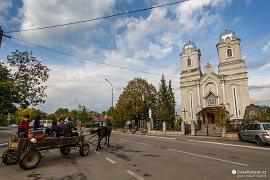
(149, 41)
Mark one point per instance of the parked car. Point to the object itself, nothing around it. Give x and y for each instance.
(256, 132)
(47, 123)
(13, 125)
(43, 123)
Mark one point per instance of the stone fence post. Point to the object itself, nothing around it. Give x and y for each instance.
(193, 128)
(164, 126)
(183, 127)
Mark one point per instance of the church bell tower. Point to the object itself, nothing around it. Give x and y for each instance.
(233, 69)
(190, 74)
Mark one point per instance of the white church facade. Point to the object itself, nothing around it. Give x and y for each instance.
(205, 90)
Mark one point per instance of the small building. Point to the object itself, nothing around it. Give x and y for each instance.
(98, 121)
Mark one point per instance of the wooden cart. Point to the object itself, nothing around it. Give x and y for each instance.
(27, 151)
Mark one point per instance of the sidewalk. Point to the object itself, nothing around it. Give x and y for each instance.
(162, 134)
(5, 133)
(5, 128)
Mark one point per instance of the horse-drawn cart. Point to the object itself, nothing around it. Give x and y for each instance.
(27, 151)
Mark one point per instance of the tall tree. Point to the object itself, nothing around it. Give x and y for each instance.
(171, 103)
(133, 104)
(162, 110)
(166, 102)
(32, 112)
(62, 112)
(8, 95)
(82, 115)
(28, 74)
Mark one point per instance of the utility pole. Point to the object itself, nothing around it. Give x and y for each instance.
(1, 35)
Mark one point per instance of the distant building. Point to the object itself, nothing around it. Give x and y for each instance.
(201, 92)
(98, 121)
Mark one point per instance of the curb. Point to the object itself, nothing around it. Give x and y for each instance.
(230, 138)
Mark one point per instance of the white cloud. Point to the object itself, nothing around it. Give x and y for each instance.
(266, 47)
(193, 14)
(256, 79)
(5, 5)
(87, 85)
(39, 13)
(118, 59)
(124, 41)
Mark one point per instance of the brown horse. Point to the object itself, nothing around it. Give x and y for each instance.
(103, 131)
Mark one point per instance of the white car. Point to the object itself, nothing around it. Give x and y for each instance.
(13, 125)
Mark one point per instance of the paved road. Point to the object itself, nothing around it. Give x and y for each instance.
(6, 133)
(145, 157)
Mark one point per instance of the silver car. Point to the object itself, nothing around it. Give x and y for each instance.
(257, 132)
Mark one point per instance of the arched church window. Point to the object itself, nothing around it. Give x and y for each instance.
(189, 61)
(229, 53)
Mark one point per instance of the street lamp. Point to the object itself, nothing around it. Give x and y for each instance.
(112, 93)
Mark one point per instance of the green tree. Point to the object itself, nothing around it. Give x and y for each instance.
(171, 103)
(28, 75)
(83, 115)
(8, 95)
(265, 113)
(133, 103)
(61, 112)
(109, 113)
(30, 111)
(162, 110)
(166, 102)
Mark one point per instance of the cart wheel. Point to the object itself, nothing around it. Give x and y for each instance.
(84, 149)
(9, 157)
(30, 159)
(65, 150)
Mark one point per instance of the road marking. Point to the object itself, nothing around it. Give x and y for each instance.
(97, 152)
(131, 141)
(134, 175)
(208, 157)
(160, 137)
(235, 145)
(109, 159)
(3, 145)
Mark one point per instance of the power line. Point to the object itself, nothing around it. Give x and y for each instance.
(99, 18)
(90, 60)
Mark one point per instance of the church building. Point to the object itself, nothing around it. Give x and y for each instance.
(203, 91)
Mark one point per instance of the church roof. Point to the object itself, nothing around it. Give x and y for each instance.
(189, 45)
(225, 34)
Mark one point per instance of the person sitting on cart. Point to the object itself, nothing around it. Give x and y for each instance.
(56, 129)
(37, 126)
(23, 127)
(60, 122)
(68, 129)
